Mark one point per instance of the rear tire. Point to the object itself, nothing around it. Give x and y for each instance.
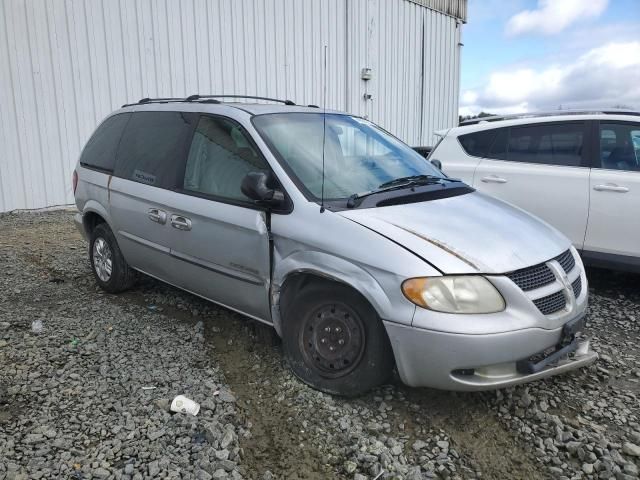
(109, 267)
(335, 342)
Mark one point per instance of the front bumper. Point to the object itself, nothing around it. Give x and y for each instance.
(444, 360)
(488, 351)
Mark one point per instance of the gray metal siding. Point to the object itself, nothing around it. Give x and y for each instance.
(65, 64)
(455, 8)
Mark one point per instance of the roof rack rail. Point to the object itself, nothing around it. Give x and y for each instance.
(203, 98)
(142, 101)
(192, 98)
(550, 113)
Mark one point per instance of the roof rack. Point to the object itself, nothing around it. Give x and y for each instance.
(203, 98)
(142, 101)
(196, 97)
(550, 113)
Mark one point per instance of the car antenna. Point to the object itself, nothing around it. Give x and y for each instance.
(324, 125)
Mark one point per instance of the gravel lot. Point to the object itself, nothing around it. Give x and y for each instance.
(76, 402)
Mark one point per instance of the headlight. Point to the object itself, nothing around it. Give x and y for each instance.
(454, 294)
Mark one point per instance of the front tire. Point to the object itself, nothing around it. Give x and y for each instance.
(335, 342)
(109, 267)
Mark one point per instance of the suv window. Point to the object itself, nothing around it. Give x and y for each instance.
(153, 147)
(620, 146)
(550, 144)
(477, 144)
(220, 157)
(498, 148)
(100, 151)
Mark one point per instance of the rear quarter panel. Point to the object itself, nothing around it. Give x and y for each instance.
(92, 193)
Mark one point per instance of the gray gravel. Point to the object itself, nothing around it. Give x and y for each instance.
(88, 396)
(75, 402)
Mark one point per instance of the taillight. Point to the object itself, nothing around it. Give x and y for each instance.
(75, 181)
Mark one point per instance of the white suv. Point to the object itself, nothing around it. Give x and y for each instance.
(579, 171)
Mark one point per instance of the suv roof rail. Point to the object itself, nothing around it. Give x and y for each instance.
(196, 97)
(203, 98)
(550, 113)
(144, 100)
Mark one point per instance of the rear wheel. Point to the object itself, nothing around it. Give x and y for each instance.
(335, 342)
(110, 269)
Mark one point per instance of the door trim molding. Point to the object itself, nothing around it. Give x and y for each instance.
(214, 267)
(198, 262)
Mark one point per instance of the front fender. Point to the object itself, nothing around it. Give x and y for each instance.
(341, 270)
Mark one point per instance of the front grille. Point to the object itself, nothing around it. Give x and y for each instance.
(577, 287)
(566, 261)
(530, 278)
(551, 303)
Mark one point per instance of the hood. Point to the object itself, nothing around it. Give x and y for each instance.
(472, 233)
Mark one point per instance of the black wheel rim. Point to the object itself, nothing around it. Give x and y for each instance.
(332, 340)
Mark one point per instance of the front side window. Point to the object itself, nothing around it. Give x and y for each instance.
(153, 147)
(551, 144)
(620, 146)
(358, 156)
(220, 157)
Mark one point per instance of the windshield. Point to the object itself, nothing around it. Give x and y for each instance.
(358, 155)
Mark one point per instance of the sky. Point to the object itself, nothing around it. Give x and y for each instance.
(528, 55)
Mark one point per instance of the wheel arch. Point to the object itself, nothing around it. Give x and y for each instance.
(298, 270)
(94, 213)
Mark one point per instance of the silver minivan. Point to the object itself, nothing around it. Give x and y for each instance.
(360, 253)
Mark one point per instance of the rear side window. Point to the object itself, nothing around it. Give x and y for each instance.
(498, 149)
(620, 146)
(100, 151)
(153, 147)
(477, 144)
(220, 157)
(551, 144)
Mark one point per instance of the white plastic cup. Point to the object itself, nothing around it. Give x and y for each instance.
(182, 404)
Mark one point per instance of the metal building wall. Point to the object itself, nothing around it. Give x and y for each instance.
(65, 64)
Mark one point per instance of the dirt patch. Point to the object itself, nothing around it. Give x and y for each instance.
(251, 360)
(487, 444)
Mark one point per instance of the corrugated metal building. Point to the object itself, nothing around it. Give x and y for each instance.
(65, 64)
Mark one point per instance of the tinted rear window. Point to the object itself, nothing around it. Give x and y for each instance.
(154, 146)
(100, 151)
(477, 144)
(556, 144)
(498, 149)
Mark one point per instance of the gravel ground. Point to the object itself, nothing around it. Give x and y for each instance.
(87, 394)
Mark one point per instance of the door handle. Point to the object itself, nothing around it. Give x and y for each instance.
(493, 179)
(180, 222)
(610, 187)
(157, 215)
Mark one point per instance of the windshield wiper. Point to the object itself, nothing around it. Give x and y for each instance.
(398, 184)
(415, 180)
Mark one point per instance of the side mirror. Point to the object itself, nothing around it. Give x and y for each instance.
(255, 186)
(436, 163)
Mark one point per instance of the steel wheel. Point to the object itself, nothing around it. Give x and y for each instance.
(102, 259)
(332, 340)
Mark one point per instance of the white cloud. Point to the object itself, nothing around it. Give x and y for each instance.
(553, 16)
(602, 77)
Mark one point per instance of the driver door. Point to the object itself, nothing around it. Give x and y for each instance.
(217, 234)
